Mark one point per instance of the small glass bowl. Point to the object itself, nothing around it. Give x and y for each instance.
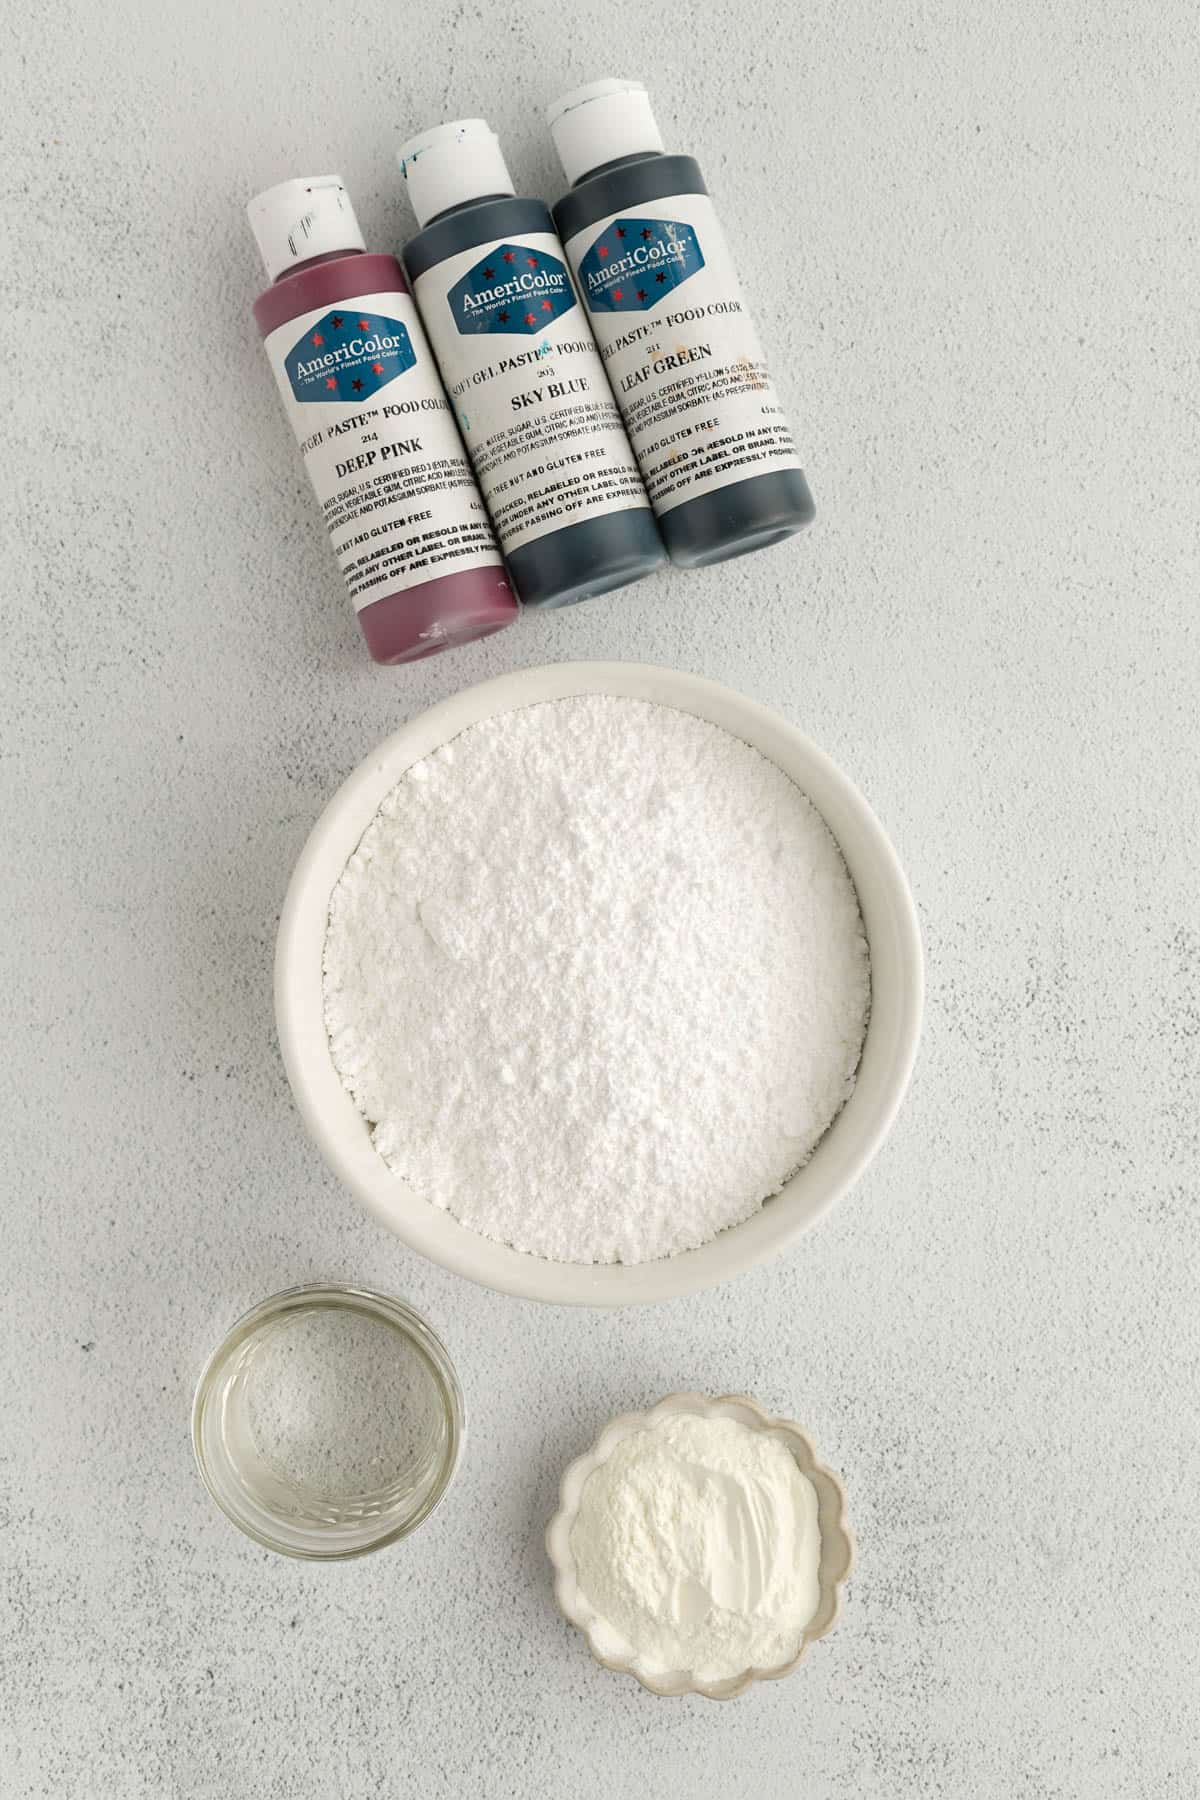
(328, 1422)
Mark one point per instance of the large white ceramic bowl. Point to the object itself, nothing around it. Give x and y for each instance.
(897, 987)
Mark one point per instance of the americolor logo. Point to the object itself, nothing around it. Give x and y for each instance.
(637, 262)
(348, 356)
(511, 290)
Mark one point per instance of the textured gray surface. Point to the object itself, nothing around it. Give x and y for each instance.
(970, 235)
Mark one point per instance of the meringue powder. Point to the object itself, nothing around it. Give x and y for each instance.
(596, 977)
(697, 1547)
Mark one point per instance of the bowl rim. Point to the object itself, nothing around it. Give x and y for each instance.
(837, 1543)
(338, 1129)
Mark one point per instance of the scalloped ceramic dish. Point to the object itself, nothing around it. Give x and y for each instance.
(837, 1546)
(897, 985)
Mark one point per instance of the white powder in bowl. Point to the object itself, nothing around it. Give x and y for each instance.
(597, 978)
(697, 1544)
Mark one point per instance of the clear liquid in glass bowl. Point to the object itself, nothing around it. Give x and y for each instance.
(328, 1422)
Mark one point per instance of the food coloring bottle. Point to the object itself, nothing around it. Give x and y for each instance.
(375, 429)
(520, 364)
(684, 359)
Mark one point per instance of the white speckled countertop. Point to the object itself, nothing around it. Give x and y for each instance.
(971, 240)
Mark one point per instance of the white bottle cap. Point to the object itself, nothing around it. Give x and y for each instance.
(310, 216)
(451, 163)
(596, 124)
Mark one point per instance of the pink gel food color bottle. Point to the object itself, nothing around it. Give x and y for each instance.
(378, 438)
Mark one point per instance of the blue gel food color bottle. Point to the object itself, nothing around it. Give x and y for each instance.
(523, 374)
(715, 450)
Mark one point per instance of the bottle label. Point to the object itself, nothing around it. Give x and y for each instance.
(532, 398)
(379, 442)
(681, 350)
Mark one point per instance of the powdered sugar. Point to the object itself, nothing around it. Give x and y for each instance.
(596, 975)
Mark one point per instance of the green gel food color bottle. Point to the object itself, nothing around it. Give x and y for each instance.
(649, 257)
